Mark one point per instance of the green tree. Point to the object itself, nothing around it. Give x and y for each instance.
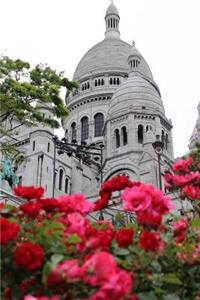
(20, 87)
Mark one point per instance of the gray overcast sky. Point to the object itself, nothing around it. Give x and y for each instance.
(166, 32)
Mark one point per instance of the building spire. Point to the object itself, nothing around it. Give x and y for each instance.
(112, 22)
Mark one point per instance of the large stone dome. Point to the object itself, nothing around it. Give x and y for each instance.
(108, 56)
(137, 94)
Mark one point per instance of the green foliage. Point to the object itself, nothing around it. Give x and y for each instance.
(21, 87)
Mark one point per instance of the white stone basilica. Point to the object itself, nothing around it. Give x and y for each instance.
(117, 104)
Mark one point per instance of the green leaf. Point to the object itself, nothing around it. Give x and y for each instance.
(121, 251)
(45, 272)
(147, 296)
(56, 258)
(195, 222)
(74, 239)
(171, 297)
(172, 279)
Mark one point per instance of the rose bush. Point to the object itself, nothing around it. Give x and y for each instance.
(51, 250)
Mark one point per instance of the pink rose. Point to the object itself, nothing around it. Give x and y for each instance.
(119, 285)
(68, 271)
(76, 224)
(192, 191)
(75, 203)
(180, 226)
(98, 268)
(136, 199)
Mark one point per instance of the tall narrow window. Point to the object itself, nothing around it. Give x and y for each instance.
(166, 141)
(140, 134)
(124, 136)
(98, 124)
(84, 128)
(33, 145)
(163, 136)
(66, 185)
(73, 131)
(60, 179)
(20, 180)
(117, 138)
(48, 147)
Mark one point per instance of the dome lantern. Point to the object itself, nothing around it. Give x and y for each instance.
(112, 22)
(134, 59)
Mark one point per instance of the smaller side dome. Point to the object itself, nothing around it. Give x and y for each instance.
(136, 94)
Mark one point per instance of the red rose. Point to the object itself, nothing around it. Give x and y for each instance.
(124, 237)
(182, 166)
(9, 231)
(28, 192)
(149, 219)
(49, 204)
(151, 241)
(31, 208)
(29, 256)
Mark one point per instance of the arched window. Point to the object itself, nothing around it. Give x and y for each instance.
(66, 133)
(124, 136)
(140, 134)
(163, 136)
(102, 81)
(66, 185)
(73, 131)
(20, 180)
(166, 141)
(48, 147)
(84, 128)
(60, 179)
(98, 124)
(118, 82)
(117, 138)
(111, 81)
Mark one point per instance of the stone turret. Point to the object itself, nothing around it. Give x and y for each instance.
(195, 137)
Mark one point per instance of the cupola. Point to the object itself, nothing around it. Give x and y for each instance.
(134, 59)
(112, 22)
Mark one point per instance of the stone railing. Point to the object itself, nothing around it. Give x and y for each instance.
(8, 198)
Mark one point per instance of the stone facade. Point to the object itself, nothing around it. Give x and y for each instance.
(117, 104)
(195, 137)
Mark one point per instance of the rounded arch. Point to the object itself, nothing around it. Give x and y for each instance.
(98, 124)
(61, 174)
(129, 169)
